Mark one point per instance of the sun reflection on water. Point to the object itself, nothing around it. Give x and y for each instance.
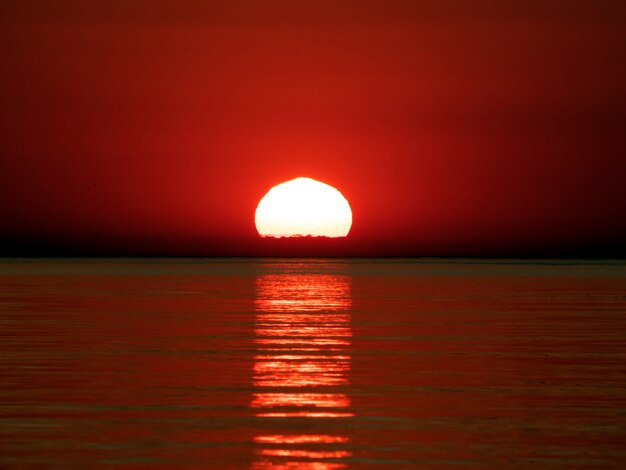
(301, 367)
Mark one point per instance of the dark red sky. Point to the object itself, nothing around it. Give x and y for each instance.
(453, 127)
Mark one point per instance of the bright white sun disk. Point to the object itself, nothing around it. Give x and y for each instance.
(301, 207)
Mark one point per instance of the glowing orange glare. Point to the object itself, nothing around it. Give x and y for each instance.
(315, 400)
(265, 465)
(306, 414)
(301, 439)
(302, 207)
(315, 454)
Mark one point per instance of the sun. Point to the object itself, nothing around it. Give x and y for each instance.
(303, 207)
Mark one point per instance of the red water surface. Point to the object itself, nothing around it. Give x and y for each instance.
(312, 364)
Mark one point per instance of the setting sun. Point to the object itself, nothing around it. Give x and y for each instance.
(301, 207)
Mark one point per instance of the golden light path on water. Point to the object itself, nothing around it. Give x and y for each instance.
(302, 336)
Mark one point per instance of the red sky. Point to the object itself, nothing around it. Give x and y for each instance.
(472, 128)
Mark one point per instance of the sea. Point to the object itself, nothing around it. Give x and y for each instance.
(312, 364)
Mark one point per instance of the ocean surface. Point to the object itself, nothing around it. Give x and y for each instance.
(312, 364)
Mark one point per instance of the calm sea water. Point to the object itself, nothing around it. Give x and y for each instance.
(312, 364)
